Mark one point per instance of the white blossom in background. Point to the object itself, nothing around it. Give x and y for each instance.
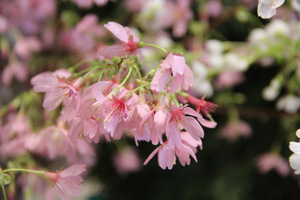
(214, 46)
(234, 62)
(270, 92)
(277, 27)
(201, 85)
(296, 5)
(295, 158)
(267, 8)
(288, 103)
(215, 53)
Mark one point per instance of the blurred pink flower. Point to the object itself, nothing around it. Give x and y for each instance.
(214, 8)
(126, 161)
(83, 3)
(228, 78)
(267, 161)
(14, 69)
(129, 45)
(236, 129)
(134, 5)
(28, 16)
(89, 3)
(67, 181)
(3, 24)
(177, 14)
(16, 125)
(24, 47)
(86, 36)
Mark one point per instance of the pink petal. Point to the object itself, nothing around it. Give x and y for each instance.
(118, 30)
(70, 185)
(188, 78)
(160, 80)
(192, 126)
(90, 128)
(184, 153)
(178, 66)
(188, 139)
(111, 51)
(168, 61)
(74, 170)
(166, 157)
(62, 194)
(176, 83)
(152, 154)
(173, 135)
(161, 118)
(44, 82)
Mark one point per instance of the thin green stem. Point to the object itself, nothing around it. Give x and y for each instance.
(3, 190)
(126, 78)
(142, 44)
(80, 63)
(138, 71)
(133, 91)
(91, 70)
(23, 170)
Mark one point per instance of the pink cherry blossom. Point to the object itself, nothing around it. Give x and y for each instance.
(173, 65)
(204, 107)
(67, 181)
(87, 121)
(129, 45)
(46, 81)
(58, 91)
(141, 122)
(113, 109)
(167, 155)
(179, 121)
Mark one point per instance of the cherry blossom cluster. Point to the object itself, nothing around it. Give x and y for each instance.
(112, 98)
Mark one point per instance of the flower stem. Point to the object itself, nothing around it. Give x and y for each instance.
(138, 71)
(126, 78)
(142, 44)
(4, 193)
(79, 64)
(23, 170)
(133, 91)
